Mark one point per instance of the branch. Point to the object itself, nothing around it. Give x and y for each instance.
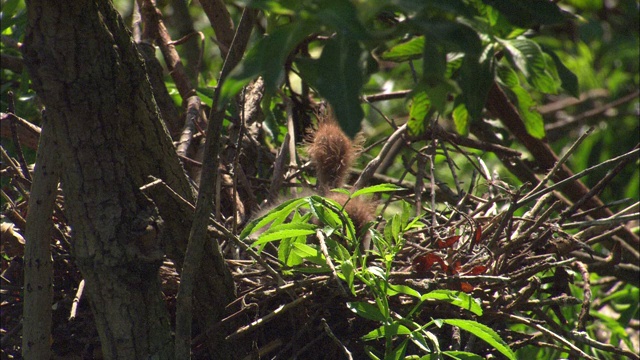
(204, 202)
(38, 264)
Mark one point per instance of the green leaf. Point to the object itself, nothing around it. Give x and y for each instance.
(528, 13)
(533, 121)
(567, 77)
(282, 234)
(485, 333)
(387, 330)
(462, 355)
(410, 50)
(508, 76)
(476, 76)
(271, 67)
(399, 352)
(461, 119)
(528, 57)
(420, 106)
(280, 7)
(347, 270)
(342, 16)
(402, 289)
(338, 77)
(376, 189)
(10, 16)
(457, 298)
(277, 215)
(454, 36)
(434, 63)
(367, 311)
(306, 251)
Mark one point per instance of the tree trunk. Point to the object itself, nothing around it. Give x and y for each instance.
(106, 125)
(38, 264)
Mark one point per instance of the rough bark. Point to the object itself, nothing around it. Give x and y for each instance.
(110, 138)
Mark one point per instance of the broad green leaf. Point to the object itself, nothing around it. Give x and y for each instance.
(399, 352)
(387, 330)
(507, 75)
(282, 234)
(402, 289)
(420, 106)
(568, 78)
(305, 251)
(533, 121)
(278, 214)
(462, 355)
(367, 311)
(277, 45)
(285, 254)
(434, 63)
(338, 77)
(457, 298)
(485, 333)
(528, 13)
(418, 339)
(528, 57)
(454, 36)
(347, 270)
(410, 50)
(461, 119)
(376, 189)
(476, 76)
(342, 16)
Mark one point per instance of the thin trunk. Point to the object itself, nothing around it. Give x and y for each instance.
(38, 265)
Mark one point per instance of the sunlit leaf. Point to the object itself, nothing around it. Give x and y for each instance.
(461, 119)
(528, 57)
(283, 234)
(367, 311)
(485, 333)
(376, 189)
(456, 298)
(387, 330)
(533, 121)
(420, 105)
(410, 50)
(568, 78)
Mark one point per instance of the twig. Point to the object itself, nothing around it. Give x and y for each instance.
(327, 259)
(585, 339)
(586, 300)
(560, 162)
(597, 188)
(247, 329)
(278, 170)
(333, 337)
(76, 301)
(221, 228)
(559, 125)
(607, 221)
(549, 333)
(617, 159)
(372, 166)
(16, 139)
(386, 96)
(208, 184)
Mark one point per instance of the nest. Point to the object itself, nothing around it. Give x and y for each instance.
(466, 262)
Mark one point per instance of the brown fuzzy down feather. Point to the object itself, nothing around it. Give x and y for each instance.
(361, 211)
(332, 153)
